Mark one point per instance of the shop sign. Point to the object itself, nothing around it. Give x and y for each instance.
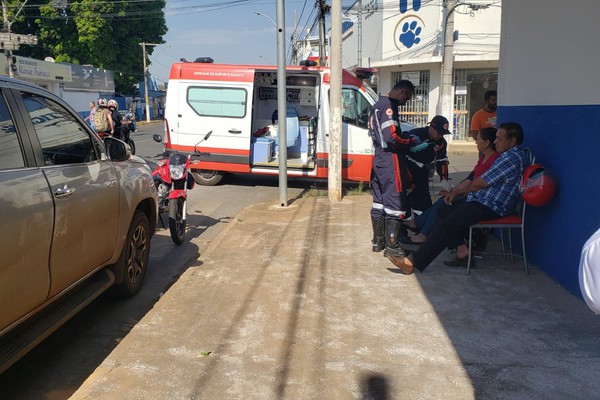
(37, 70)
(460, 90)
(87, 77)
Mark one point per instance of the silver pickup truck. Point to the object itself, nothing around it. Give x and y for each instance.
(77, 215)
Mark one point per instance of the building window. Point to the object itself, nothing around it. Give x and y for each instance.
(416, 110)
(218, 102)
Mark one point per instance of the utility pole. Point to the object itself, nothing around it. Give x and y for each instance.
(359, 27)
(322, 55)
(335, 105)
(9, 41)
(446, 101)
(143, 44)
(281, 103)
(295, 42)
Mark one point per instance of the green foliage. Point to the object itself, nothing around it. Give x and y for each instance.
(103, 33)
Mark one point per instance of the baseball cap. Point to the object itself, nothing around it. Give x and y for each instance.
(440, 124)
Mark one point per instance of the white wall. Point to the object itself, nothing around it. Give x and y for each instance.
(80, 101)
(561, 51)
(548, 83)
(478, 32)
(371, 39)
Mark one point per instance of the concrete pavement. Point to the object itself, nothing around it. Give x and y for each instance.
(292, 304)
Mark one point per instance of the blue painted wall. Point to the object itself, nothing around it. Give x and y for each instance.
(566, 140)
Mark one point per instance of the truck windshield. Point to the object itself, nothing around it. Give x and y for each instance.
(371, 93)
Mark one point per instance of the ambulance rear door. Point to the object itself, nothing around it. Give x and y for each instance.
(218, 99)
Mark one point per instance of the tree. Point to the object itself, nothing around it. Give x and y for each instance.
(103, 33)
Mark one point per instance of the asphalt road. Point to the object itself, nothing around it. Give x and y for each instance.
(58, 366)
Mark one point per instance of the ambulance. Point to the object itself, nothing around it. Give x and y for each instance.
(238, 103)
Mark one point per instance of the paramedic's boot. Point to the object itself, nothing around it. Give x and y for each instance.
(393, 228)
(378, 234)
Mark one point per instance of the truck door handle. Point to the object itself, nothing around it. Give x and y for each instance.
(63, 191)
(235, 131)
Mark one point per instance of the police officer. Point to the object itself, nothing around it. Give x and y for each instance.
(390, 180)
(430, 147)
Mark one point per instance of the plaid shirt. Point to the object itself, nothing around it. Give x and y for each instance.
(503, 179)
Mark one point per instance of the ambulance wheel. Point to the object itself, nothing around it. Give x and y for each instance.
(206, 177)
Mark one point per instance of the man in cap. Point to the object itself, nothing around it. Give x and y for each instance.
(430, 147)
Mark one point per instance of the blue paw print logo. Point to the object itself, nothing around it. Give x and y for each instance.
(410, 34)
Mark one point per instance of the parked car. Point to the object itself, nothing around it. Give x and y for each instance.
(77, 216)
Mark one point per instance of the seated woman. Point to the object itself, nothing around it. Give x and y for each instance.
(427, 220)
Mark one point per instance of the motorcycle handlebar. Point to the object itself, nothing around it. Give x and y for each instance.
(199, 154)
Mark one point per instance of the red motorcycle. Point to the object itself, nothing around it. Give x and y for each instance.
(172, 178)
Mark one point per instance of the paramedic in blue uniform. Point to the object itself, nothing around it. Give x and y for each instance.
(430, 147)
(390, 178)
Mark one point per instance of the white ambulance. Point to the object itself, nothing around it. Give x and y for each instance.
(238, 103)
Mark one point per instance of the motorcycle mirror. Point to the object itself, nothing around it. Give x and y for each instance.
(203, 139)
(157, 137)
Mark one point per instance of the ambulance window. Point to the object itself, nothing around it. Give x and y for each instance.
(355, 108)
(217, 102)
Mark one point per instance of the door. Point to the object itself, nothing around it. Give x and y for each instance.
(85, 190)
(225, 108)
(357, 146)
(27, 215)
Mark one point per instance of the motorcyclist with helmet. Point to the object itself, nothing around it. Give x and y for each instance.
(116, 117)
(106, 121)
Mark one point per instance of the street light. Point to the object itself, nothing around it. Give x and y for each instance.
(273, 22)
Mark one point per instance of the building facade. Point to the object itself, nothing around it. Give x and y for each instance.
(49, 75)
(405, 39)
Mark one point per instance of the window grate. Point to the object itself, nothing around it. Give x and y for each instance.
(416, 110)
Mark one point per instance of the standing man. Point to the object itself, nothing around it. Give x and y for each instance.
(432, 148)
(486, 117)
(390, 178)
(90, 118)
(491, 195)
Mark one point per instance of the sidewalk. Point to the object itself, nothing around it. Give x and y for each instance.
(292, 304)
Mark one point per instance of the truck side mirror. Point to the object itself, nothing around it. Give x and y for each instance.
(116, 149)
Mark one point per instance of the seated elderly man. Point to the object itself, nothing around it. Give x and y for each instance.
(491, 195)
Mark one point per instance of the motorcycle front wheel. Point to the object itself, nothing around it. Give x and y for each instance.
(176, 221)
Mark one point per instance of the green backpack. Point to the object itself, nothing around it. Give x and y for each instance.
(101, 120)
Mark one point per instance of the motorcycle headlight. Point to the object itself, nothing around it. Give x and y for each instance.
(176, 171)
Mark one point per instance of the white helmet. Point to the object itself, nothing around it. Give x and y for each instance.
(113, 104)
(101, 102)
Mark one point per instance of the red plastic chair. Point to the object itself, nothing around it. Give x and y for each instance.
(513, 221)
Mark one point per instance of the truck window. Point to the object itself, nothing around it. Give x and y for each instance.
(218, 102)
(11, 155)
(355, 108)
(62, 139)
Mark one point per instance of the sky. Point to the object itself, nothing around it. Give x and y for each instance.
(229, 31)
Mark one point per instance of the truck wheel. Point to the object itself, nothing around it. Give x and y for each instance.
(176, 221)
(135, 255)
(206, 177)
